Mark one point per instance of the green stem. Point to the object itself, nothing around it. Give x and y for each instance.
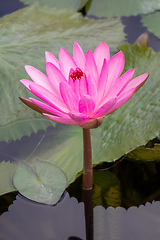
(87, 160)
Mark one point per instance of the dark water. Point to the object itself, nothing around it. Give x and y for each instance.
(9, 6)
(127, 210)
(134, 28)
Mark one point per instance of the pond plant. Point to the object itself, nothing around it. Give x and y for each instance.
(42, 158)
(81, 90)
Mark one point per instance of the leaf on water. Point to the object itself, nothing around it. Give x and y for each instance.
(138, 121)
(61, 4)
(6, 172)
(44, 184)
(151, 21)
(116, 8)
(25, 36)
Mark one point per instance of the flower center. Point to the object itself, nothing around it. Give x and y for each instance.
(77, 74)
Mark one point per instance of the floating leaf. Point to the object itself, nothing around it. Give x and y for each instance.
(116, 8)
(6, 172)
(61, 4)
(138, 121)
(25, 36)
(61, 145)
(45, 184)
(151, 21)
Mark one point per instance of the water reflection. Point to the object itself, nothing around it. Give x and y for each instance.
(28, 220)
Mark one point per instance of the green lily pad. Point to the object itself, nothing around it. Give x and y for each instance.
(25, 36)
(61, 4)
(7, 170)
(138, 121)
(151, 21)
(116, 8)
(44, 184)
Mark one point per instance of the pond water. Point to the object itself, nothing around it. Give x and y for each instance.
(127, 209)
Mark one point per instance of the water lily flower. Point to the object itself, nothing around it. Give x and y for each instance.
(81, 89)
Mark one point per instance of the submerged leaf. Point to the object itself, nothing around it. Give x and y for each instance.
(145, 154)
(44, 184)
(25, 36)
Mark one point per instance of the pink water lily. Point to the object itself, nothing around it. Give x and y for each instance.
(81, 89)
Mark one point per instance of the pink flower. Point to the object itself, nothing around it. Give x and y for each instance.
(81, 89)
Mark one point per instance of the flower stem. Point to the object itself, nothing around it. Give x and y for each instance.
(87, 160)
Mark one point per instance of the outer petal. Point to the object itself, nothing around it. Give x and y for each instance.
(78, 117)
(101, 52)
(102, 111)
(52, 59)
(63, 120)
(115, 68)
(86, 105)
(46, 108)
(92, 88)
(69, 97)
(137, 82)
(102, 81)
(38, 77)
(31, 105)
(122, 99)
(120, 84)
(48, 97)
(79, 56)
(90, 66)
(26, 83)
(123, 81)
(55, 76)
(66, 62)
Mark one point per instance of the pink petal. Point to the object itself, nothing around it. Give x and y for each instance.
(92, 89)
(115, 68)
(90, 66)
(122, 99)
(30, 104)
(55, 76)
(26, 83)
(102, 111)
(79, 56)
(78, 117)
(46, 107)
(102, 81)
(101, 52)
(86, 105)
(69, 97)
(66, 62)
(121, 84)
(48, 97)
(123, 81)
(63, 120)
(137, 82)
(82, 86)
(38, 77)
(52, 59)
